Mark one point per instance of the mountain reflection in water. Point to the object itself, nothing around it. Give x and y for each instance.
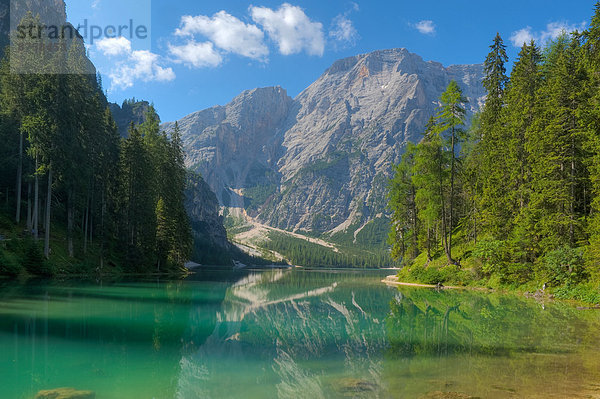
(290, 334)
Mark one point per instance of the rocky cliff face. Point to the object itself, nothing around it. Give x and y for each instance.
(321, 162)
(130, 111)
(237, 146)
(51, 12)
(4, 24)
(210, 237)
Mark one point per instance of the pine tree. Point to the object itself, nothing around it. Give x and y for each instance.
(495, 81)
(521, 116)
(591, 117)
(555, 152)
(430, 178)
(402, 202)
(137, 198)
(491, 197)
(163, 234)
(450, 122)
(182, 242)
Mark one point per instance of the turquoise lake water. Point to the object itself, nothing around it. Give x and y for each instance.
(290, 334)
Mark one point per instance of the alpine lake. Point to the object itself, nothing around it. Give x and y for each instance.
(291, 333)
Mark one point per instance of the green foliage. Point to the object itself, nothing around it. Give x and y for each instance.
(9, 264)
(495, 76)
(424, 192)
(74, 174)
(564, 266)
(346, 237)
(325, 165)
(492, 254)
(525, 190)
(403, 204)
(373, 234)
(588, 292)
(449, 275)
(31, 257)
(303, 253)
(258, 195)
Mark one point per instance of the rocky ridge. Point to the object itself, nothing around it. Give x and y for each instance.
(321, 162)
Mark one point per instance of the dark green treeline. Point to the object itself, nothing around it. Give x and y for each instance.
(521, 197)
(71, 188)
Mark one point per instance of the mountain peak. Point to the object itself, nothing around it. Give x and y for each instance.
(374, 58)
(320, 162)
(271, 93)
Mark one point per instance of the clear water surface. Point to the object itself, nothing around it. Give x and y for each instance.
(291, 334)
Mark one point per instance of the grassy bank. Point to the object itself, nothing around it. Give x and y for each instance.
(559, 274)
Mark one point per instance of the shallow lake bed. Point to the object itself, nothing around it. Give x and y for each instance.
(291, 334)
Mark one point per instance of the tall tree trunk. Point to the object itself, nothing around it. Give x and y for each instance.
(402, 243)
(449, 253)
(70, 217)
(29, 213)
(86, 220)
(443, 205)
(48, 207)
(414, 217)
(91, 217)
(428, 245)
(36, 202)
(573, 179)
(19, 179)
(102, 229)
(475, 232)
(43, 212)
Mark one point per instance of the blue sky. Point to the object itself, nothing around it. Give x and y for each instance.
(198, 53)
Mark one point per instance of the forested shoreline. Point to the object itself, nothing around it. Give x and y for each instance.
(75, 197)
(515, 199)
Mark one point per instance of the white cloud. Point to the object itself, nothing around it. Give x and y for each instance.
(553, 30)
(291, 29)
(114, 46)
(196, 55)
(132, 65)
(426, 27)
(522, 36)
(140, 65)
(342, 28)
(227, 33)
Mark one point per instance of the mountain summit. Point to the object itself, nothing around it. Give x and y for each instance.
(321, 162)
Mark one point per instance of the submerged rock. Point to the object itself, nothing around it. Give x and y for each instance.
(353, 386)
(65, 393)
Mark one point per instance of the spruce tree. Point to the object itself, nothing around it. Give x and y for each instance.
(492, 191)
